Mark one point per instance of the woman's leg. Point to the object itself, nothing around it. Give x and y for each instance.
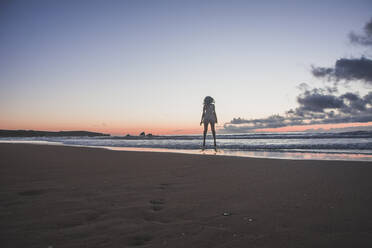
(214, 133)
(205, 132)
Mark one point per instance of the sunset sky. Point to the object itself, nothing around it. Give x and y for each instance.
(129, 66)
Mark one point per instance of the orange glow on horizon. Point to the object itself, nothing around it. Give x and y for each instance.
(121, 129)
(116, 129)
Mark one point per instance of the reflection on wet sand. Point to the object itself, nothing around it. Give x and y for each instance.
(222, 152)
(257, 154)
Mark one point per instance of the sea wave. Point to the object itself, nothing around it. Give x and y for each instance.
(355, 142)
(290, 135)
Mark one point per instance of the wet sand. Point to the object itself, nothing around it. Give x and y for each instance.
(56, 196)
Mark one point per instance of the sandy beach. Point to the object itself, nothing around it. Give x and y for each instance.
(57, 196)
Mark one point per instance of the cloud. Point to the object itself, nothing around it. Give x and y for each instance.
(317, 102)
(364, 39)
(324, 105)
(350, 69)
(346, 69)
(316, 106)
(269, 122)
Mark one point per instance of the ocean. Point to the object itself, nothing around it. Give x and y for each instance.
(292, 145)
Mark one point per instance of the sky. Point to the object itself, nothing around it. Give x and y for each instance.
(130, 66)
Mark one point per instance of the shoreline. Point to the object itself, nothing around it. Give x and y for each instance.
(71, 197)
(282, 155)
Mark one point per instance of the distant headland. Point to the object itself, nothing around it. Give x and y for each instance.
(33, 133)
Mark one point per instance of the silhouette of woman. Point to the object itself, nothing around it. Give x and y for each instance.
(209, 117)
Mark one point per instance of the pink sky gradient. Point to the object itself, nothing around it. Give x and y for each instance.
(131, 66)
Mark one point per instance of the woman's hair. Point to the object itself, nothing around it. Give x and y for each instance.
(208, 100)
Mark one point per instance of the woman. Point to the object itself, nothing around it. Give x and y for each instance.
(209, 117)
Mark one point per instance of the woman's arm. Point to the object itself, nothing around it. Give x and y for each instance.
(201, 121)
(214, 111)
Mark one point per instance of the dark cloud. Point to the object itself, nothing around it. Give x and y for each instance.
(269, 122)
(350, 69)
(364, 39)
(355, 103)
(347, 69)
(368, 98)
(322, 71)
(316, 106)
(317, 102)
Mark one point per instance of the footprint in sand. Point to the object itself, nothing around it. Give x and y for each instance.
(157, 204)
(164, 185)
(32, 192)
(138, 240)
